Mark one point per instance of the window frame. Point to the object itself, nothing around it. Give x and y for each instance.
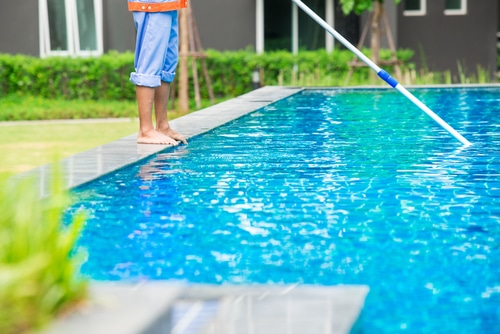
(461, 11)
(72, 31)
(421, 12)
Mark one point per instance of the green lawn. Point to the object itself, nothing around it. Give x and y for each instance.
(16, 107)
(26, 146)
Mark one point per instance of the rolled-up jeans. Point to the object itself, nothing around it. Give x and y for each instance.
(156, 51)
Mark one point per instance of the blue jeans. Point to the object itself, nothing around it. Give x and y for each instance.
(156, 51)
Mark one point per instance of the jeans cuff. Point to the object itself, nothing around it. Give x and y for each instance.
(167, 76)
(145, 80)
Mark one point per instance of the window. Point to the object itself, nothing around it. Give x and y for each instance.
(70, 27)
(415, 8)
(455, 7)
(498, 27)
(287, 27)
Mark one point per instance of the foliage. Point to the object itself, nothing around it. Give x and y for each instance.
(359, 6)
(16, 107)
(36, 82)
(498, 58)
(233, 70)
(38, 270)
(106, 78)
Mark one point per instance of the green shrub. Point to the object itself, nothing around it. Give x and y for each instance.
(38, 270)
(232, 70)
(107, 77)
(498, 58)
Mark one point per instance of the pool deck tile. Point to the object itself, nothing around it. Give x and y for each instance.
(162, 307)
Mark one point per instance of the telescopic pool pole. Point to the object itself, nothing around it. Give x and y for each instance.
(381, 73)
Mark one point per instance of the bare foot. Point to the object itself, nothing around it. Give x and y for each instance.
(155, 137)
(173, 134)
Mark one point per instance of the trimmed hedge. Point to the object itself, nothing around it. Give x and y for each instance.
(107, 77)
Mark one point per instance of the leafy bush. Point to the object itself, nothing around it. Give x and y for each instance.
(38, 270)
(233, 70)
(498, 58)
(107, 77)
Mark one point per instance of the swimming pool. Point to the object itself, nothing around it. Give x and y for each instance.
(333, 186)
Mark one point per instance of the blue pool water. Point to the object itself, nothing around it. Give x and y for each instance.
(325, 187)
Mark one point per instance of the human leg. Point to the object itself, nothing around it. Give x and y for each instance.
(152, 43)
(167, 76)
(161, 106)
(147, 132)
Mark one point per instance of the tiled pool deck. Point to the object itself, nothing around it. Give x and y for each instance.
(157, 307)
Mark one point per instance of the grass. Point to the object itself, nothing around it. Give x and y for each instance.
(16, 107)
(27, 146)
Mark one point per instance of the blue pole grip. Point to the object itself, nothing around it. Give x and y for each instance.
(387, 78)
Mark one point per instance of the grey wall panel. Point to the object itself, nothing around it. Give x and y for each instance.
(440, 41)
(19, 27)
(119, 30)
(222, 24)
(225, 24)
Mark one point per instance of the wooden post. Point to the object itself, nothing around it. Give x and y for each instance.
(201, 54)
(190, 52)
(194, 65)
(375, 36)
(392, 46)
(376, 20)
(183, 61)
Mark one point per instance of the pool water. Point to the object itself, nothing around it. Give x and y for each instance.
(340, 186)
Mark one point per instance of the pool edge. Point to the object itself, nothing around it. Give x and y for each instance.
(89, 165)
(94, 163)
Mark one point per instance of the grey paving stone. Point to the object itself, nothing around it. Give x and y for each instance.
(156, 307)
